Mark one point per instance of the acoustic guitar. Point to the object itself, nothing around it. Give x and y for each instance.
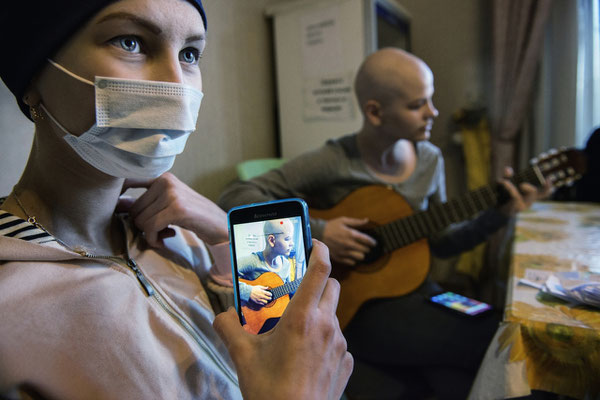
(257, 315)
(400, 261)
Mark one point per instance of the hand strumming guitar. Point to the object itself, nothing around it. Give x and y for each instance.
(347, 245)
(260, 295)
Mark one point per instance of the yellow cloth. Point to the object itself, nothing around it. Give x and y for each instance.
(476, 150)
(293, 276)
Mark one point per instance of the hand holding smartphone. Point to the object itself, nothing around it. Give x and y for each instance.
(270, 243)
(307, 340)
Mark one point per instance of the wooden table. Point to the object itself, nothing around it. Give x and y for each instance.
(545, 343)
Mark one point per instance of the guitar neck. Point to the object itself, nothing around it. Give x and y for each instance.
(423, 224)
(286, 288)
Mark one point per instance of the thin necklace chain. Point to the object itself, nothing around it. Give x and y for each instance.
(32, 220)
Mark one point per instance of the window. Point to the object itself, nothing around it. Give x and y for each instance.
(588, 70)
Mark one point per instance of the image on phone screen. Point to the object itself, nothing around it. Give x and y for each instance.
(270, 261)
(462, 304)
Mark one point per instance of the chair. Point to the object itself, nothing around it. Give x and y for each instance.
(250, 168)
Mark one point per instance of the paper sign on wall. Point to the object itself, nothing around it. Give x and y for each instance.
(328, 98)
(327, 88)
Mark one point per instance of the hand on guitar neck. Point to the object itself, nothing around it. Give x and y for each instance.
(517, 200)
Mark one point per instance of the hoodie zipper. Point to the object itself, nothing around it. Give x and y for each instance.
(181, 321)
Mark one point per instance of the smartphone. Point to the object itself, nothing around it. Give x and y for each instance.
(270, 244)
(461, 304)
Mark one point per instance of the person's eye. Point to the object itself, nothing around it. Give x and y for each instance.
(190, 55)
(416, 106)
(130, 44)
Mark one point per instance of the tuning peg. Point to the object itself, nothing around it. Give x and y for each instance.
(570, 171)
(552, 152)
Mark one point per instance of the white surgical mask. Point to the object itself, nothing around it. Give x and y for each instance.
(141, 126)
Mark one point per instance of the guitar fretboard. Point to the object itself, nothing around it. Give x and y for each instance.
(284, 289)
(405, 231)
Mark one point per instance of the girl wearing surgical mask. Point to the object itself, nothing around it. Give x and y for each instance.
(108, 297)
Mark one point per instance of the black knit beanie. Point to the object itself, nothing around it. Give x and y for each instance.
(32, 31)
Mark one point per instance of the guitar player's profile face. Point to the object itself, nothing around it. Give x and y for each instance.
(281, 239)
(410, 112)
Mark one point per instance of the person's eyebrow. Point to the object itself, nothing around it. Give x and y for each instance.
(133, 18)
(195, 38)
(145, 24)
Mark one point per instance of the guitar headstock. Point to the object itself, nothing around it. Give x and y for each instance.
(561, 167)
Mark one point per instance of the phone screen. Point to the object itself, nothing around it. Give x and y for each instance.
(461, 303)
(269, 261)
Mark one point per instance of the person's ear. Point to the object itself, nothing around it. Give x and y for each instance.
(271, 240)
(373, 112)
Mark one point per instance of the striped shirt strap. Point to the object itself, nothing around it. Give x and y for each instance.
(15, 227)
